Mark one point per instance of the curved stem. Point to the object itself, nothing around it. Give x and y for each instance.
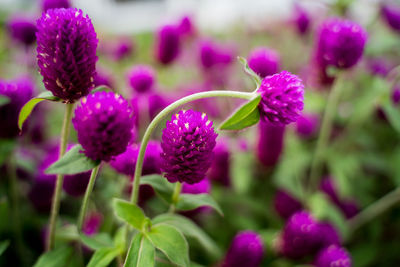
(85, 201)
(163, 114)
(325, 131)
(375, 209)
(60, 178)
(175, 196)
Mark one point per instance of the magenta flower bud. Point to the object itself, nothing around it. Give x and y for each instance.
(281, 98)
(391, 15)
(301, 20)
(220, 166)
(92, 223)
(328, 187)
(340, 43)
(264, 61)
(285, 204)
(307, 125)
(212, 54)
(51, 4)
(333, 256)
(270, 143)
(246, 249)
(329, 235)
(186, 27)
(379, 66)
(141, 78)
(104, 123)
(396, 95)
(22, 30)
(66, 53)
(188, 141)
(167, 44)
(123, 48)
(19, 91)
(301, 235)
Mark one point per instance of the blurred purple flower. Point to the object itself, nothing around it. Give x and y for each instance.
(92, 223)
(141, 78)
(186, 27)
(212, 54)
(307, 125)
(103, 78)
(379, 66)
(122, 48)
(391, 15)
(168, 44)
(333, 256)
(22, 30)
(396, 95)
(329, 235)
(264, 61)
(51, 4)
(301, 19)
(285, 204)
(270, 143)
(220, 166)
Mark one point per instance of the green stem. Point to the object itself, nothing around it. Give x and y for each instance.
(161, 116)
(85, 201)
(60, 178)
(375, 209)
(325, 131)
(175, 196)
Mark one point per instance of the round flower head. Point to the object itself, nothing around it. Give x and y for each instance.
(270, 143)
(301, 19)
(104, 123)
(123, 48)
(22, 30)
(379, 66)
(285, 204)
(307, 125)
(391, 15)
(281, 98)
(333, 256)
(212, 54)
(220, 167)
(186, 27)
(66, 53)
(246, 250)
(18, 92)
(51, 4)
(168, 44)
(329, 235)
(340, 43)
(92, 223)
(264, 61)
(188, 141)
(141, 78)
(301, 235)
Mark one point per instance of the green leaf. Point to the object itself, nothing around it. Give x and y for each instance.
(250, 72)
(246, 116)
(120, 238)
(161, 186)
(72, 162)
(55, 258)
(6, 148)
(97, 241)
(141, 252)
(28, 107)
(3, 246)
(190, 230)
(130, 213)
(393, 115)
(4, 100)
(194, 201)
(103, 257)
(171, 242)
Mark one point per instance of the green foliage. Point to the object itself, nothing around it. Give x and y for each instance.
(194, 201)
(161, 186)
(131, 214)
(97, 241)
(141, 252)
(56, 258)
(250, 72)
(103, 257)
(4, 100)
(3, 246)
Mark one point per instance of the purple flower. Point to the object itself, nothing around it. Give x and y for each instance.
(212, 54)
(246, 249)
(329, 235)
(188, 141)
(141, 78)
(220, 166)
(340, 43)
(66, 53)
(307, 125)
(391, 15)
(186, 27)
(123, 48)
(270, 143)
(51, 4)
(264, 61)
(300, 236)
(379, 66)
(301, 20)
(333, 256)
(18, 91)
(202, 187)
(104, 123)
(285, 204)
(22, 30)
(167, 44)
(103, 78)
(396, 95)
(349, 208)
(92, 223)
(281, 98)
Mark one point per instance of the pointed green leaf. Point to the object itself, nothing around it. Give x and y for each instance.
(3, 246)
(4, 100)
(393, 115)
(161, 186)
(250, 72)
(74, 161)
(194, 201)
(28, 107)
(171, 242)
(246, 116)
(190, 230)
(120, 238)
(141, 252)
(130, 213)
(55, 258)
(103, 257)
(97, 241)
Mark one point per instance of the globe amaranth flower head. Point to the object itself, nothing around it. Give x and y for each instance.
(104, 123)
(22, 30)
(301, 19)
(264, 61)
(307, 125)
(391, 14)
(333, 256)
(285, 204)
(220, 166)
(51, 4)
(188, 141)
(329, 235)
(246, 250)
(168, 44)
(141, 78)
(340, 43)
(66, 53)
(281, 98)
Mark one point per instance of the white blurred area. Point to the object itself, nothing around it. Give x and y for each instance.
(124, 17)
